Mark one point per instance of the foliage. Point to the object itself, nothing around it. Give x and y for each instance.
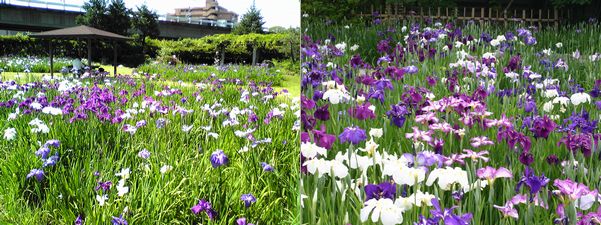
(118, 17)
(563, 3)
(95, 14)
(237, 48)
(251, 22)
(145, 22)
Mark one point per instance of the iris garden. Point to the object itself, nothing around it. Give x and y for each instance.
(142, 149)
(435, 122)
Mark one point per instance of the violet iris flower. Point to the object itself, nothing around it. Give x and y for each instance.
(447, 215)
(78, 220)
(204, 206)
(397, 114)
(354, 135)
(322, 113)
(119, 220)
(542, 127)
(534, 183)
(382, 190)
(362, 112)
(323, 139)
(218, 158)
(266, 167)
(242, 221)
(248, 199)
(37, 173)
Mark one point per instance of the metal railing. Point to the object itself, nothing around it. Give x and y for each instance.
(44, 4)
(56, 5)
(196, 20)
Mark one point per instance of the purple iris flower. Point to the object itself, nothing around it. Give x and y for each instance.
(242, 221)
(145, 154)
(542, 127)
(447, 215)
(552, 159)
(119, 220)
(141, 123)
(534, 183)
(383, 84)
(248, 199)
(37, 173)
(201, 206)
(356, 61)
(105, 186)
(354, 135)
(307, 103)
(43, 152)
(218, 158)
(411, 69)
(362, 112)
(431, 80)
(397, 114)
(523, 32)
(266, 167)
(576, 142)
(526, 158)
(383, 46)
(376, 94)
(204, 206)
(382, 190)
(51, 161)
(515, 62)
(323, 139)
(424, 159)
(322, 113)
(530, 106)
(53, 143)
(78, 220)
(530, 40)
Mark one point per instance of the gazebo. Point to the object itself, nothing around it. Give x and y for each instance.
(85, 33)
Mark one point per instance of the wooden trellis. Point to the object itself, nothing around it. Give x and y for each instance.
(530, 17)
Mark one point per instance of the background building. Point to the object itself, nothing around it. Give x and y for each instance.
(211, 13)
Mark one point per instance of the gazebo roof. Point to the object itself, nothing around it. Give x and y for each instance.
(80, 32)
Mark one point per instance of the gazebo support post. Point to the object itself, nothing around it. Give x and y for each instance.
(51, 59)
(90, 53)
(114, 58)
(254, 55)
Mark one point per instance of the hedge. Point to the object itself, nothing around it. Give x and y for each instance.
(238, 48)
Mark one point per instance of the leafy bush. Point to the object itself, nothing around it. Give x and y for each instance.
(238, 48)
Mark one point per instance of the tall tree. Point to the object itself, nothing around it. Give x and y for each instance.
(251, 22)
(118, 17)
(95, 14)
(145, 22)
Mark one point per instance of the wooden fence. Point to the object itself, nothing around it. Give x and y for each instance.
(530, 17)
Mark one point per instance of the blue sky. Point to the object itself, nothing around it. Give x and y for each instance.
(284, 13)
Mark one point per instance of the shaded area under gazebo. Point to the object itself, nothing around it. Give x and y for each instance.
(85, 33)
